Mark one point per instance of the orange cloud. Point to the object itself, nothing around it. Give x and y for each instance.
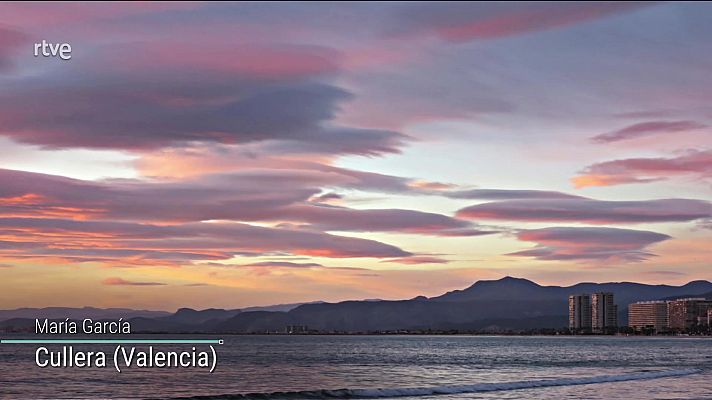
(584, 181)
(116, 281)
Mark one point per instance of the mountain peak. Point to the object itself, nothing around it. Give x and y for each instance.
(504, 288)
(515, 279)
(697, 282)
(506, 281)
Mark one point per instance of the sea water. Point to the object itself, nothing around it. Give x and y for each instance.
(406, 367)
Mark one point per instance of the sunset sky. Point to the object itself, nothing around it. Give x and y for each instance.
(229, 155)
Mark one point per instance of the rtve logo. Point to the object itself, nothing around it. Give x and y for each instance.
(60, 50)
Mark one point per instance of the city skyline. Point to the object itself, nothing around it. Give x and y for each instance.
(681, 314)
(231, 155)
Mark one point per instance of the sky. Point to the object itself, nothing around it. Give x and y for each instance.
(240, 154)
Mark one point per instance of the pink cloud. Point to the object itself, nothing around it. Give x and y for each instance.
(278, 195)
(47, 14)
(160, 221)
(150, 113)
(126, 242)
(178, 94)
(10, 42)
(590, 210)
(333, 218)
(647, 129)
(459, 22)
(269, 62)
(588, 243)
(695, 163)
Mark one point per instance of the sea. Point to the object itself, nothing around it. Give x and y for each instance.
(389, 366)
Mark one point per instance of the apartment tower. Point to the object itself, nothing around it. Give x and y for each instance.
(580, 312)
(604, 313)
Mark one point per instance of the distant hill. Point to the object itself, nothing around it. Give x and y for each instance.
(279, 307)
(509, 288)
(182, 316)
(707, 296)
(489, 305)
(79, 313)
(357, 316)
(189, 316)
(507, 303)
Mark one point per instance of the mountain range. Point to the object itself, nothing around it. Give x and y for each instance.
(488, 305)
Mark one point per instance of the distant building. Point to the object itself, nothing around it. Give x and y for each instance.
(684, 314)
(703, 320)
(681, 315)
(648, 316)
(296, 329)
(595, 313)
(604, 313)
(580, 312)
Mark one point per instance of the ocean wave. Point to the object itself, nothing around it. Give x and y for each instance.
(454, 389)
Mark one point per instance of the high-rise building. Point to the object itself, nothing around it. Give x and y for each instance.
(684, 314)
(648, 315)
(580, 312)
(604, 313)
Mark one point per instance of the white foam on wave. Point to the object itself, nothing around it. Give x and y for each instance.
(491, 387)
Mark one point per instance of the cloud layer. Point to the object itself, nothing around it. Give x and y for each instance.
(152, 112)
(589, 244)
(590, 211)
(646, 129)
(695, 164)
(469, 21)
(263, 142)
(10, 43)
(144, 222)
(118, 243)
(116, 281)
